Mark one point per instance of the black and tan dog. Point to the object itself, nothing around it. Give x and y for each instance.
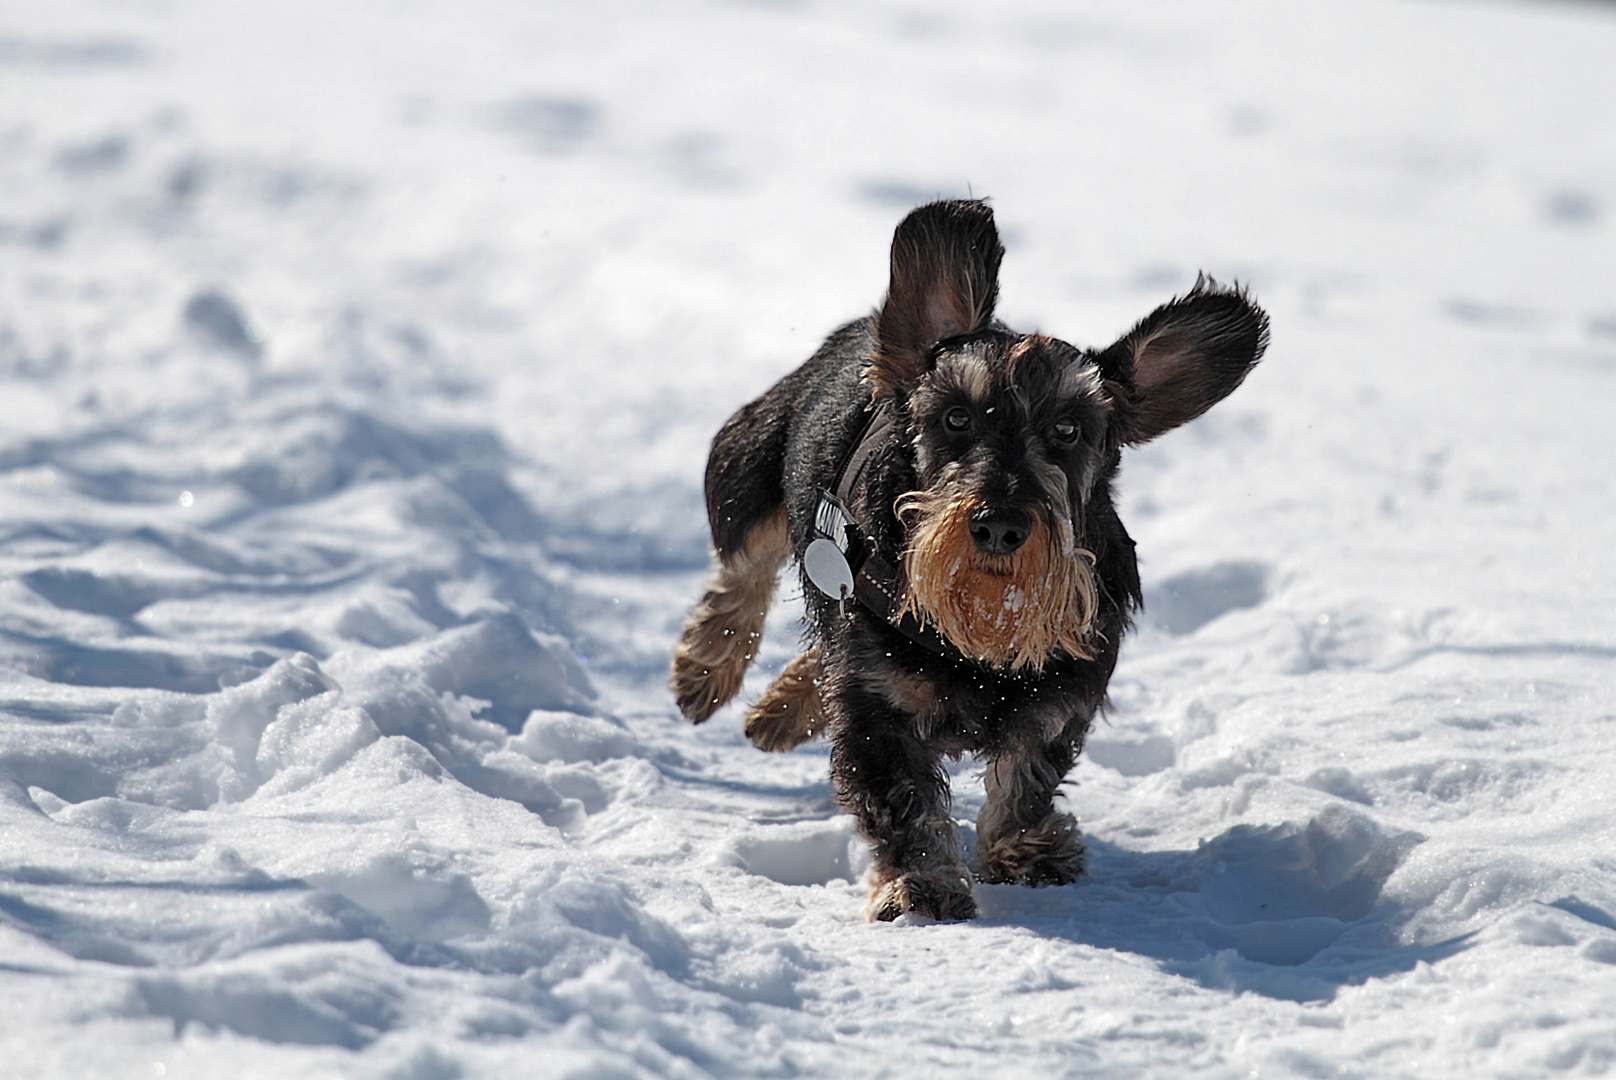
(945, 484)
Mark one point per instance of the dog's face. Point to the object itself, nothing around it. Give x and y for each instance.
(1014, 434)
(1009, 436)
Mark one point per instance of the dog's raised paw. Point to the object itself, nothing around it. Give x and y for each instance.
(721, 636)
(712, 655)
(934, 894)
(790, 712)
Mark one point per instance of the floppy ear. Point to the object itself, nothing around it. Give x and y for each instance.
(1182, 359)
(945, 281)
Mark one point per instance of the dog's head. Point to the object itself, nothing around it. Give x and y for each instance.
(1013, 433)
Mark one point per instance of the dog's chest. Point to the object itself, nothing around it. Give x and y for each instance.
(961, 708)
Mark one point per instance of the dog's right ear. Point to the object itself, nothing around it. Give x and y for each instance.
(945, 282)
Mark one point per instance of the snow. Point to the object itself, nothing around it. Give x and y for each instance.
(360, 361)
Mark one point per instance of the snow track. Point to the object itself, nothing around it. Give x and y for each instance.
(359, 363)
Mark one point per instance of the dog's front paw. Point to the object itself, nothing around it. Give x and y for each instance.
(1049, 853)
(944, 895)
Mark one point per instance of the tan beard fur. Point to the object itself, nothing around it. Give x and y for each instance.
(1013, 611)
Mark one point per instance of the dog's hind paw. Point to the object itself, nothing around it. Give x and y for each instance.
(1049, 853)
(790, 712)
(943, 895)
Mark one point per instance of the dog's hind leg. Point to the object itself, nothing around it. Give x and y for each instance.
(790, 712)
(722, 633)
(1020, 837)
(746, 512)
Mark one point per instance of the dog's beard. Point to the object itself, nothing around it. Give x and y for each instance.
(1013, 611)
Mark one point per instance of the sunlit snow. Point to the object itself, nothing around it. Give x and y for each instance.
(359, 363)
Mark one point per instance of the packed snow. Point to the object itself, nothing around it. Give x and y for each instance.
(360, 361)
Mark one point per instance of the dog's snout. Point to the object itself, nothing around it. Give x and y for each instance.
(999, 531)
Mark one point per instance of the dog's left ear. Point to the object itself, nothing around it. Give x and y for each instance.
(945, 282)
(1182, 359)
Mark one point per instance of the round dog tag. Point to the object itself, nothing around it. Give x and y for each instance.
(827, 568)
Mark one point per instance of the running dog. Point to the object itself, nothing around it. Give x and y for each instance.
(944, 484)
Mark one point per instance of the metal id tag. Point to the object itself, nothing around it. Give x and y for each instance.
(827, 568)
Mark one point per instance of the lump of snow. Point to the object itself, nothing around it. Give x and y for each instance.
(805, 853)
(240, 716)
(219, 321)
(570, 737)
(500, 661)
(1333, 866)
(310, 739)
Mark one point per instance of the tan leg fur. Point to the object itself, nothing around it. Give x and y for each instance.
(722, 633)
(790, 712)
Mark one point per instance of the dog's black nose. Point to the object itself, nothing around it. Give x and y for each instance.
(999, 531)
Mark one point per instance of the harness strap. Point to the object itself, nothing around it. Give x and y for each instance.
(877, 584)
(881, 422)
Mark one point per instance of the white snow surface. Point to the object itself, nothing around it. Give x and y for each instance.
(359, 363)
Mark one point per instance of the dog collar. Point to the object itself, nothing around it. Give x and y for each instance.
(842, 561)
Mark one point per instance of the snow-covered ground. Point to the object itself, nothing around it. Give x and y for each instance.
(359, 362)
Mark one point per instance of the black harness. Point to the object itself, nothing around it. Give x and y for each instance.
(878, 585)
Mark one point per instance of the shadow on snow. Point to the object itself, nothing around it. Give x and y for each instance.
(1291, 911)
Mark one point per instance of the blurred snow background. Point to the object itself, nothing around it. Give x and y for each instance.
(359, 363)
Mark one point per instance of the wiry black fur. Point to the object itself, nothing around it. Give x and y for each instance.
(894, 707)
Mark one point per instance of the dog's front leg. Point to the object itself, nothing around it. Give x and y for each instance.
(1020, 837)
(893, 783)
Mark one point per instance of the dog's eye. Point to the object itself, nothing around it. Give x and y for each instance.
(1064, 431)
(957, 419)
